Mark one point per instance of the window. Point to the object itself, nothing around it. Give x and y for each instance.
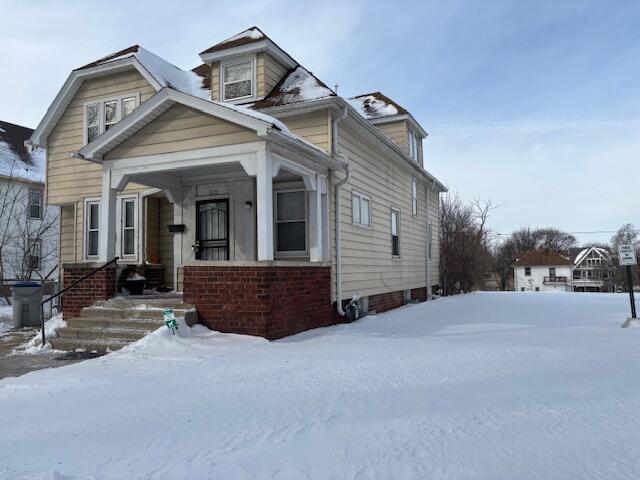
(395, 233)
(552, 272)
(522, 289)
(92, 224)
(291, 221)
(527, 271)
(33, 257)
(412, 141)
(35, 203)
(537, 289)
(128, 222)
(101, 116)
(430, 239)
(361, 209)
(414, 196)
(237, 80)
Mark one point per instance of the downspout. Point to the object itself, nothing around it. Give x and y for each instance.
(338, 222)
(428, 262)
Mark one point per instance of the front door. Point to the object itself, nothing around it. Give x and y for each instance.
(212, 230)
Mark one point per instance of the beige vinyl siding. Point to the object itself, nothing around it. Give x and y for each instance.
(396, 131)
(178, 129)
(313, 127)
(368, 266)
(270, 72)
(69, 179)
(165, 239)
(215, 81)
(66, 234)
(434, 217)
(152, 228)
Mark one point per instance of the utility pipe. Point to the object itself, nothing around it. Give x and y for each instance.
(336, 153)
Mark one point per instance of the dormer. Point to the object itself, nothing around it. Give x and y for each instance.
(394, 121)
(245, 67)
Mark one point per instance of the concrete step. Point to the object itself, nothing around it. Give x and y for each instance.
(75, 344)
(105, 322)
(106, 334)
(110, 312)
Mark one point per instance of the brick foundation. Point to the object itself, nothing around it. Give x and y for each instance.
(267, 301)
(386, 301)
(100, 286)
(419, 294)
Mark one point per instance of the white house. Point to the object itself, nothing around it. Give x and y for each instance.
(540, 271)
(28, 227)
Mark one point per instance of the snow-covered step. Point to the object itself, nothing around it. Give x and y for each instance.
(112, 312)
(106, 322)
(99, 346)
(108, 334)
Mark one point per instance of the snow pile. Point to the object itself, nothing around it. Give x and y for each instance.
(50, 326)
(488, 386)
(371, 107)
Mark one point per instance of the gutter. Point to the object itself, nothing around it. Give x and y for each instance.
(347, 170)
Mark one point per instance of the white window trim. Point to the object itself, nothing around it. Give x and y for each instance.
(361, 196)
(398, 212)
(41, 205)
(414, 196)
(254, 78)
(292, 253)
(430, 240)
(101, 102)
(85, 229)
(119, 233)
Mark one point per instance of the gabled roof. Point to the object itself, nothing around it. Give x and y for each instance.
(157, 71)
(540, 258)
(298, 85)
(16, 161)
(261, 123)
(250, 35)
(579, 255)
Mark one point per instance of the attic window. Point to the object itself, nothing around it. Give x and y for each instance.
(101, 115)
(237, 80)
(412, 141)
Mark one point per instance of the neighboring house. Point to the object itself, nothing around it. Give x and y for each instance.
(540, 271)
(28, 227)
(246, 183)
(593, 270)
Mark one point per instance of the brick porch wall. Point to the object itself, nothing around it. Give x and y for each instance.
(419, 294)
(100, 286)
(266, 301)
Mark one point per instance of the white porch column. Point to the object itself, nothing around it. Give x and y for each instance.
(107, 232)
(316, 221)
(177, 237)
(264, 200)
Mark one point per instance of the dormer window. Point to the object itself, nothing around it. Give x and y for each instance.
(102, 115)
(413, 145)
(237, 80)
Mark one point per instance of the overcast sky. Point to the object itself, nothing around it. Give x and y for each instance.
(534, 104)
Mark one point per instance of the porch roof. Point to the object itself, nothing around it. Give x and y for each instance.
(265, 126)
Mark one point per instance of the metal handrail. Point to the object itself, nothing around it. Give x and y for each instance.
(66, 289)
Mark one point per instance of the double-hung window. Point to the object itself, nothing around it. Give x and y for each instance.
(527, 271)
(102, 115)
(128, 222)
(34, 255)
(412, 141)
(35, 203)
(237, 80)
(92, 225)
(361, 209)
(430, 240)
(395, 232)
(414, 196)
(291, 222)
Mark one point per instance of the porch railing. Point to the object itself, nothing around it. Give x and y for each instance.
(69, 287)
(553, 279)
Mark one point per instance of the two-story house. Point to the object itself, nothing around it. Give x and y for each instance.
(246, 183)
(28, 227)
(542, 271)
(593, 270)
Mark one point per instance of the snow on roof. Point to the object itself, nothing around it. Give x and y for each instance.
(375, 105)
(15, 160)
(163, 72)
(298, 85)
(536, 258)
(585, 252)
(250, 35)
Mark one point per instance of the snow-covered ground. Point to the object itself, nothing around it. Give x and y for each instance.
(486, 386)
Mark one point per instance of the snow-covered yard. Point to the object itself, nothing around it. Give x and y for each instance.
(487, 386)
